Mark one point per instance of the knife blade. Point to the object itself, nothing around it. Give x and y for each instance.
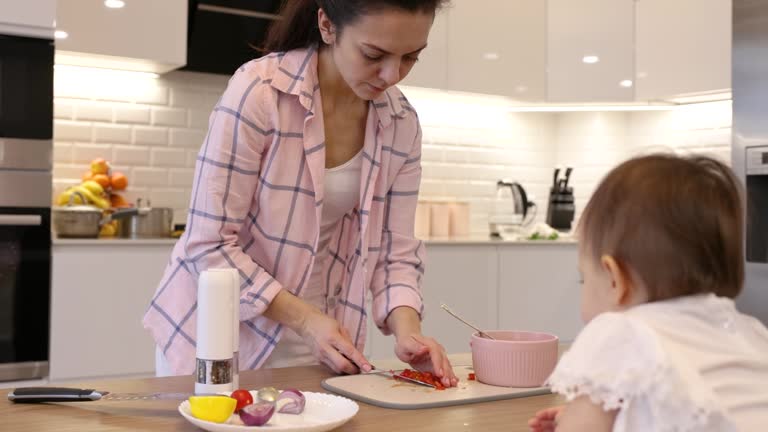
(64, 394)
(397, 376)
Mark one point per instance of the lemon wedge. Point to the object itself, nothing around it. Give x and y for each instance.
(215, 409)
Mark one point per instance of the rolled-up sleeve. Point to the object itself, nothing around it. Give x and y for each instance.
(398, 274)
(224, 188)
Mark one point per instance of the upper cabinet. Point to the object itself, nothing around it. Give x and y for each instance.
(590, 53)
(498, 47)
(683, 47)
(141, 35)
(579, 51)
(33, 18)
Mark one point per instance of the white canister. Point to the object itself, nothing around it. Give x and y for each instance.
(422, 222)
(459, 223)
(440, 219)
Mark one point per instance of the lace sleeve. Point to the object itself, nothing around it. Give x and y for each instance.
(616, 360)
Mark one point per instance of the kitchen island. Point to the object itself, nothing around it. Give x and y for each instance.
(104, 416)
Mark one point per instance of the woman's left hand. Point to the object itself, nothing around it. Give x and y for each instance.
(426, 355)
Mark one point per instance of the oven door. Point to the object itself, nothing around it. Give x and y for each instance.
(25, 292)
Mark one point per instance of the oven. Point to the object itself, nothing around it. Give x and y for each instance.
(25, 274)
(26, 132)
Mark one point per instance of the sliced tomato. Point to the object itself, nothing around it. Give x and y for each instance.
(427, 377)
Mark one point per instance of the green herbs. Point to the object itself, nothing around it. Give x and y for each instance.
(539, 236)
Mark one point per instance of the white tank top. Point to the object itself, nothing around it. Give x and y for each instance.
(342, 194)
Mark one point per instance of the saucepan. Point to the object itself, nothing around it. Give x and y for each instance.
(145, 222)
(83, 221)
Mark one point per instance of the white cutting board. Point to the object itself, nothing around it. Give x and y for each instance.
(384, 391)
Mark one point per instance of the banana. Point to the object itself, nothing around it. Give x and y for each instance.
(92, 198)
(65, 196)
(94, 187)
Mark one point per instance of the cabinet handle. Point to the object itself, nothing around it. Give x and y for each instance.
(21, 220)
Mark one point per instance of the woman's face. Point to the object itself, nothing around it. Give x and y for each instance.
(377, 50)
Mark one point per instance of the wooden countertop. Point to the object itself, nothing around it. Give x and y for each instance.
(510, 415)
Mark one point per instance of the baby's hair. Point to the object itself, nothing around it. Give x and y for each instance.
(675, 223)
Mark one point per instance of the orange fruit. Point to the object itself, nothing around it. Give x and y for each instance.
(119, 181)
(99, 166)
(88, 175)
(102, 179)
(117, 201)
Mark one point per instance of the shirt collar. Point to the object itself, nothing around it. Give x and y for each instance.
(297, 75)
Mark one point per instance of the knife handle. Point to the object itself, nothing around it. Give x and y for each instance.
(52, 394)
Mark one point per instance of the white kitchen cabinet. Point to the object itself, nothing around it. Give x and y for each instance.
(683, 47)
(601, 28)
(463, 277)
(145, 35)
(498, 47)
(432, 68)
(100, 292)
(34, 18)
(539, 289)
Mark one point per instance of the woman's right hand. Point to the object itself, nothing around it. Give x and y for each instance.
(331, 344)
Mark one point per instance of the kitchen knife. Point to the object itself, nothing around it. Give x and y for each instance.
(567, 178)
(61, 394)
(555, 182)
(399, 377)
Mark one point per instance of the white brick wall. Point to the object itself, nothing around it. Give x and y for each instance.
(593, 143)
(151, 129)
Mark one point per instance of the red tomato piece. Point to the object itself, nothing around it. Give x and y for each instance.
(426, 377)
(243, 398)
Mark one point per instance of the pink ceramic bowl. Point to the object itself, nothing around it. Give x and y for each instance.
(515, 358)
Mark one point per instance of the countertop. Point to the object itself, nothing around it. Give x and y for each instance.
(507, 415)
(487, 240)
(112, 242)
(458, 241)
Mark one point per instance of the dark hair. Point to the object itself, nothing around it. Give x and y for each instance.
(298, 26)
(674, 222)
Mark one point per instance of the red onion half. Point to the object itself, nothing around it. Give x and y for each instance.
(257, 414)
(291, 401)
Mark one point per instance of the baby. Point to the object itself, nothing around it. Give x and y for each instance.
(664, 349)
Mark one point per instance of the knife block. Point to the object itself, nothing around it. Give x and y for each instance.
(561, 208)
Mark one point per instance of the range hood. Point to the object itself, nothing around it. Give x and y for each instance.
(224, 34)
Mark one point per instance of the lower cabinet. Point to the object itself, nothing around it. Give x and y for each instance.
(511, 286)
(99, 295)
(101, 291)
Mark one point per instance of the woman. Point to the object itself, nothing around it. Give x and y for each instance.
(307, 183)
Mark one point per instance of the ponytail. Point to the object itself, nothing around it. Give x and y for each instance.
(296, 29)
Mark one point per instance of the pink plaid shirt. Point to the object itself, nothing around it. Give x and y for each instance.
(257, 201)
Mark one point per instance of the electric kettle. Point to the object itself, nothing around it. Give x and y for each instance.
(511, 209)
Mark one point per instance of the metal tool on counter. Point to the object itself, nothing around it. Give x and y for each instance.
(453, 314)
(63, 394)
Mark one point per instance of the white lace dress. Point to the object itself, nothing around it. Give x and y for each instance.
(688, 364)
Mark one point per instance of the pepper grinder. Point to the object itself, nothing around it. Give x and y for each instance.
(215, 363)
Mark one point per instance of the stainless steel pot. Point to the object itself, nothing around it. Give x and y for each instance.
(77, 221)
(83, 221)
(147, 222)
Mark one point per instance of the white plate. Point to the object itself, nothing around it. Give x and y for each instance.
(322, 412)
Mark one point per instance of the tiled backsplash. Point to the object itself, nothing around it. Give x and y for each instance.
(151, 129)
